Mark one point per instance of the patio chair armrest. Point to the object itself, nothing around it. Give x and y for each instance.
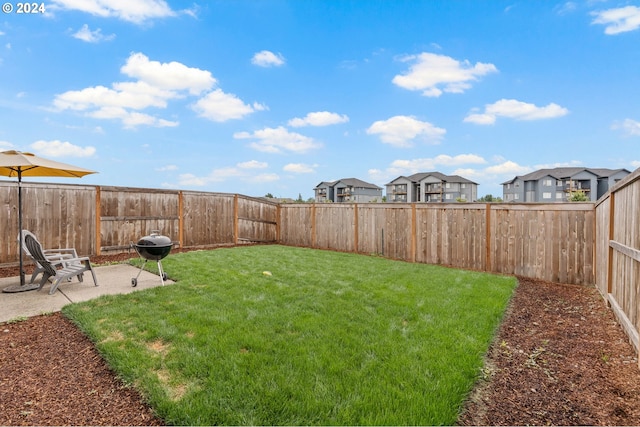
(66, 251)
(77, 259)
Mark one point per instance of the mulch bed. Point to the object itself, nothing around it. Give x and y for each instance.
(559, 358)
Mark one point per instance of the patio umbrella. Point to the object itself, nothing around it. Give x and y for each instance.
(18, 164)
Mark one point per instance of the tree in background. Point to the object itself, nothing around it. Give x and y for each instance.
(490, 199)
(578, 196)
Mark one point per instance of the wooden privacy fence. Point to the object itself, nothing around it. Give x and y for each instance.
(98, 220)
(545, 241)
(618, 252)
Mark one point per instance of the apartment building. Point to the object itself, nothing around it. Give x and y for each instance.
(431, 187)
(347, 190)
(559, 184)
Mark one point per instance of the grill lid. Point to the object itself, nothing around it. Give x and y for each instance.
(154, 240)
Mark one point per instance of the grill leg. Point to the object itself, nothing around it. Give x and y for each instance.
(161, 272)
(134, 281)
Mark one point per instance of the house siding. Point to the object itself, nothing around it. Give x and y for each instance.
(557, 185)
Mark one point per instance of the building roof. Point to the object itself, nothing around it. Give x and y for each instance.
(565, 172)
(353, 182)
(417, 177)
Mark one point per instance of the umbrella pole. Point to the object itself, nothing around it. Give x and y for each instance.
(20, 226)
(22, 286)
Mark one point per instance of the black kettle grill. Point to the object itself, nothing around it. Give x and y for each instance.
(153, 247)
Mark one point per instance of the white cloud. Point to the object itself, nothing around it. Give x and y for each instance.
(167, 168)
(628, 127)
(516, 110)
(507, 168)
(299, 168)
(219, 106)
(85, 34)
(277, 140)
(241, 171)
(6, 145)
(134, 95)
(401, 131)
(618, 20)
(410, 166)
(569, 164)
(131, 119)
(57, 148)
(267, 58)
(635, 163)
(263, 177)
(319, 118)
(434, 74)
(172, 76)
(566, 8)
(157, 83)
(135, 11)
(253, 164)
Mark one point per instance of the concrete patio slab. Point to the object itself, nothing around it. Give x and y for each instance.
(112, 279)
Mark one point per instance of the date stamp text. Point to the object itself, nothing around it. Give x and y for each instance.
(23, 8)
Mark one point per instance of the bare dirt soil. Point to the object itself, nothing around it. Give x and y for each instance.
(559, 358)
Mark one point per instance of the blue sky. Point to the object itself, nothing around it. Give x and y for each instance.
(257, 97)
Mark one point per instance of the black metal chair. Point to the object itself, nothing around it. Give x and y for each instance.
(71, 267)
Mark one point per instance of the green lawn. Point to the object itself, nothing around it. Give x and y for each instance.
(326, 339)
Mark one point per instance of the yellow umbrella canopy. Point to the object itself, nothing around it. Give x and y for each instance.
(18, 164)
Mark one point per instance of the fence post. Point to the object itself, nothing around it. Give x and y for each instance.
(235, 219)
(487, 243)
(313, 225)
(612, 211)
(414, 229)
(278, 221)
(98, 241)
(355, 227)
(180, 219)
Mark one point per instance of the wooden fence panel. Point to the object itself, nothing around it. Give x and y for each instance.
(371, 221)
(602, 245)
(550, 242)
(397, 233)
(335, 227)
(452, 234)
(297, 224)
(625, 280)
(257, 220)
(208, 219)
(127, 214)
(617, 252)
(59, 216)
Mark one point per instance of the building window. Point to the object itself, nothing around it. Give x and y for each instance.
(448, 196)
(546, 195)
(547, 183)
(463, 185)
(516, 196)
(558, 195)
